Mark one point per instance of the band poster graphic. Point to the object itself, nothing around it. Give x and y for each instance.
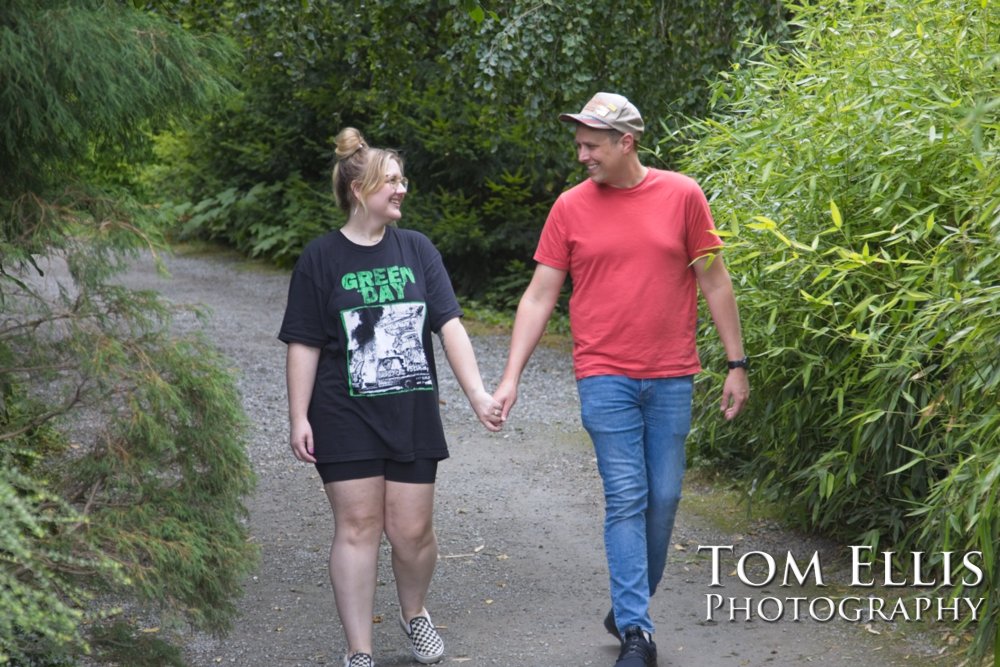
(385, 349)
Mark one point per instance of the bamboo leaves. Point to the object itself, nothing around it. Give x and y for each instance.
(869, 264)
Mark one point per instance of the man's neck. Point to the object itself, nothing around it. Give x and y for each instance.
(631, 177)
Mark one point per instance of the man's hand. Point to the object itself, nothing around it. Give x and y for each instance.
(506, 396)
(735, 393)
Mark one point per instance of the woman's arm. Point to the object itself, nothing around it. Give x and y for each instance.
(300, 374)
(462, 358)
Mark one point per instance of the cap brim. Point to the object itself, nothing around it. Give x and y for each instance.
(583, 119)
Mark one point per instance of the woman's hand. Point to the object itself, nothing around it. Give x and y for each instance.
(487, 410)
(301, 440)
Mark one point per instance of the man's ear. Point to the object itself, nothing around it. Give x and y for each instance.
(628, 142)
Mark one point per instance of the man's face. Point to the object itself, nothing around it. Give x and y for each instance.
(603, 158)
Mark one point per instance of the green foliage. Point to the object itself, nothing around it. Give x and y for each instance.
(244, 220)
(120, 644)
(158, 487)
(42, 610)
(661, 54)
(856, 173)
(187, 549)
(121, 461)
(124, 448)
(468, 91)
(57, 107)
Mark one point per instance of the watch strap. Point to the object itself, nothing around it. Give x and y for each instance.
(743, 363)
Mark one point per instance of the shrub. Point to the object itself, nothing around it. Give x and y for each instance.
(122, 468)
(856, 173)
(471, 105)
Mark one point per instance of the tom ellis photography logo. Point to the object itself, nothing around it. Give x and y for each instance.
(866, 580)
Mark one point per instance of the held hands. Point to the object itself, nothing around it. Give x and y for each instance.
(493, 410)
(487, 410)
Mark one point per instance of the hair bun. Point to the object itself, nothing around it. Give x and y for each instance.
(349, 141)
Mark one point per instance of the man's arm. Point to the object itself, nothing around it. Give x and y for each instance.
(717, 288)
(533, 314)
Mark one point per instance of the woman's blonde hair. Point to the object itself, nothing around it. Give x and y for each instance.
(359, 162)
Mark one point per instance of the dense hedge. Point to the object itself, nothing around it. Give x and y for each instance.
(472, 106)
(857, 175)
(122, 462)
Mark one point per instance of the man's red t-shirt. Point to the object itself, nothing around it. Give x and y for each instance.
(634, 305)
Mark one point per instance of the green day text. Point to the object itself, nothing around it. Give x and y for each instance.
(379, 285)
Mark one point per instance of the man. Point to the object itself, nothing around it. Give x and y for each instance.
(638, 243)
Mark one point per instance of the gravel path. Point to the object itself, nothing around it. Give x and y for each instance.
(521, 578)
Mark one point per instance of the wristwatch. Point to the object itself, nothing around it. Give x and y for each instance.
(743, 363)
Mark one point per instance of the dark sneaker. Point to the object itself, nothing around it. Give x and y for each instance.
(358, 660)
(637, 650)
(609, 625)
(427, 645)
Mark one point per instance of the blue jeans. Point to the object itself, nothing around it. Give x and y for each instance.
(638, 428)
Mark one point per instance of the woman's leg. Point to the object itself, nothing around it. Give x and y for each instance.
(409, 510)
(358, 511)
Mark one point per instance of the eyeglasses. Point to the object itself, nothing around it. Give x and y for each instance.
(396, 181)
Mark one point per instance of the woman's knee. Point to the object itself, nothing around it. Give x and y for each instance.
(364, 528)
(411, 533)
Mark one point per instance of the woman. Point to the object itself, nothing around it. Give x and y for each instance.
(362, 390)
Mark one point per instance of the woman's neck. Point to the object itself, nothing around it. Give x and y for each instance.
(363, 231)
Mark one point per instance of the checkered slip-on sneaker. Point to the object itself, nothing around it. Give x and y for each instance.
(358, 660)
(427, 645)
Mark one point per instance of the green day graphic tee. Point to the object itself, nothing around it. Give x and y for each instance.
(385, 349)
(371, 311)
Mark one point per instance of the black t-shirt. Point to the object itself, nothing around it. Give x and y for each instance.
(371, 311)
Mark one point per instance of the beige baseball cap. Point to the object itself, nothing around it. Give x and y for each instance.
(607, 111)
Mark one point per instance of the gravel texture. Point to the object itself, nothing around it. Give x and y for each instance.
(521, 578)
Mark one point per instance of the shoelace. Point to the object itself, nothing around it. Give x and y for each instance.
(635, 644)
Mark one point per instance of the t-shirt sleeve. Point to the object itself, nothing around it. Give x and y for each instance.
(552, 248)
(442, 305)
(304, 314)
(701, 237)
